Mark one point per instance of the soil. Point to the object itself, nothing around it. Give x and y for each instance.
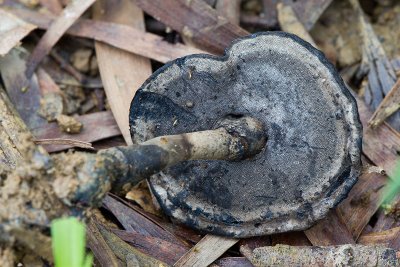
(69, 124)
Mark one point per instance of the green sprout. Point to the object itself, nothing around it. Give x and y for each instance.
(392, 188)
(68, 242)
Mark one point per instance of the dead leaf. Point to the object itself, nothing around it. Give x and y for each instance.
(12, 31)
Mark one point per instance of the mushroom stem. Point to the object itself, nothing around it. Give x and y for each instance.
(122, 167)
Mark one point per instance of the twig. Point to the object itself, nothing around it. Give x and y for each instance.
(89, 133)
(64, 141)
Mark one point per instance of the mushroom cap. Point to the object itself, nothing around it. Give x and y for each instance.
(312, 156)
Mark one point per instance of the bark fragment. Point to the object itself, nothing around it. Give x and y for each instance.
(345, 255)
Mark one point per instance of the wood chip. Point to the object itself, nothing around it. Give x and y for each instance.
(205, 252)
(308, 12)
(12, 31)
(386, 221)
(67, 17)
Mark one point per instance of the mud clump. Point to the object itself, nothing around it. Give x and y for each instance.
(69, 124)
(33, 194)
(7, 257)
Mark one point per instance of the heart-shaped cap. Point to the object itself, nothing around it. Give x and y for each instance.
(312, 156)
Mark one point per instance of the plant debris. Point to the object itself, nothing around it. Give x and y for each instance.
(69, 70)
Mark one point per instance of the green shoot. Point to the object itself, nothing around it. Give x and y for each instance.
(393, 187)
(68, 242)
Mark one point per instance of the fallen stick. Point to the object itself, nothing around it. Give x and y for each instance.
(64, 142)
(345, 255)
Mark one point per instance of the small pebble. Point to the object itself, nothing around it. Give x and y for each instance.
(189, 104)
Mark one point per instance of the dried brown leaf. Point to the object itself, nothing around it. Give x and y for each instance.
(12, 31)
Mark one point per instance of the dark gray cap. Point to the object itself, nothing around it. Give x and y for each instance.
(312, 156)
